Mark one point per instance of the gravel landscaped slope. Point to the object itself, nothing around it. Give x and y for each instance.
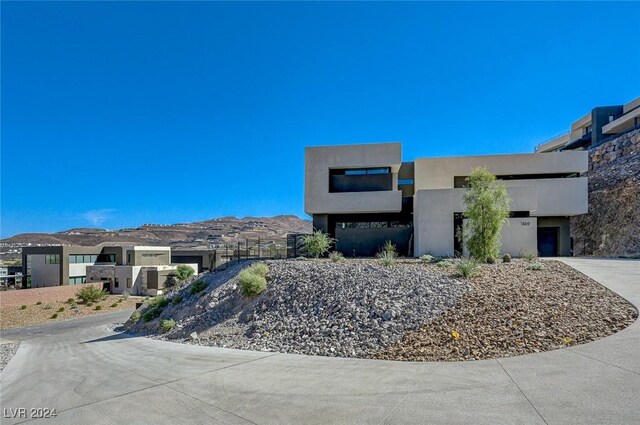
(7, 351)
(349, 309)
(513, 310)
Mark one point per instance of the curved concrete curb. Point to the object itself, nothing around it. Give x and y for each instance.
(91, 375)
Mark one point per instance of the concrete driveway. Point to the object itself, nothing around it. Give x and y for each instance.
(93, 376)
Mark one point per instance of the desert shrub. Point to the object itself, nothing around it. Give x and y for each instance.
(506, 258)
(91, 293)
(318, 243)
(98, 307)
(486, 204)
(61, 309)
(261, 269)
(535, 266)
(23, 307)
(529, 255)
(167, 325)
(251, 283)
(491, 260)
(197, 286)
(176, 300)
(125, 295)
(120, 300)
(427, 258)
(70, 300)
(389, 247)
(54, 316)
(336, 256)
(387, 258)
(114, 305)
(39, 303)
(89, 304)
(135, 316)
(443, 263)
(184, 272)
(466, 267)
(159, 301)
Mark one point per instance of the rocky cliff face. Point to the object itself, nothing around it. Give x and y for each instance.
(612, 226)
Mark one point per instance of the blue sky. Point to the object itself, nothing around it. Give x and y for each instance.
(117, 114)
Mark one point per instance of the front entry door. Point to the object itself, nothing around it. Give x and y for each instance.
(548, 241)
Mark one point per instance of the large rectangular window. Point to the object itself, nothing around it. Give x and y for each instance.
(52, 259)
(77, 280)
(360, 179)
(83, 258)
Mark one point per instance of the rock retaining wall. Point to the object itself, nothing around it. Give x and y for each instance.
(612, 226)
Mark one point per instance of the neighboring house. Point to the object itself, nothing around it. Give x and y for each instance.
(596, 127)
(206, 259)
(364, 195)
(141, 270)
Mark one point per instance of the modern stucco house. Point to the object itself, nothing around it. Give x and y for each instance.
(596, 127)
(365, 194)
(140, 270)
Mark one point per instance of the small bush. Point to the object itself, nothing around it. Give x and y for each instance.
(91, 293)
(261, 269)
(61, 309)
(135, 316)
(506, 258)
(54, 316)
(167, 325)
(184, 272)
(23, 307)
(443, 263)
(114, 305)
(529, 255)
(125, 295)
(535, 266)
(336, 256)
(70, 300)
(197, 286)
(389, 247)
(466, 267)
(491, 260)
(318, 243)
(387, 258)
(176, 300)
(89, 304)
(120, 300)
(39, 303)
(251, 284)
(156, 305)
(427, 258)
(98, 307)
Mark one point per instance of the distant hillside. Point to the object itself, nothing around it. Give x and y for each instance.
(199, 234)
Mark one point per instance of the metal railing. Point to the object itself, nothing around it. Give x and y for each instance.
(253, 249)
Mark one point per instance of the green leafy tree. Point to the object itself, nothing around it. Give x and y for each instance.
(318, 243)
(184, 272)
(486, 209)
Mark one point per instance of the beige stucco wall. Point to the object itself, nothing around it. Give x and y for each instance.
(557, 197)
(518, 235)
(554, 197)
(318, 161)
(433, 218)
(438, 173)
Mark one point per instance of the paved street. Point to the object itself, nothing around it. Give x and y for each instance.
(93, 376)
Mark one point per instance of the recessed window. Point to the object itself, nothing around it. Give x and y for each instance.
(405, 182)
(77, 280)
(52, 259)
